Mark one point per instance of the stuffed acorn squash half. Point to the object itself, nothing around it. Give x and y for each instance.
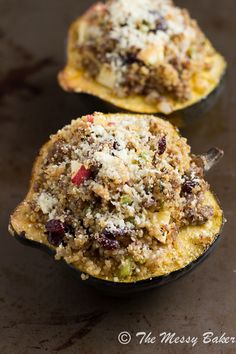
(146, 56)
(121, 199)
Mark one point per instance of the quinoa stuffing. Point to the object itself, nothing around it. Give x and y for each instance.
(113, 193)
(150, 48)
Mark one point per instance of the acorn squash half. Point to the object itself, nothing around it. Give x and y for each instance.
(76, 79)
(186, 252)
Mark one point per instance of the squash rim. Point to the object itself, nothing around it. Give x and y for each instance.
(14, 216)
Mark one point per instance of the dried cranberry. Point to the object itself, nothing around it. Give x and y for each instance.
(188, 186)
(82, 175)
(108, 244)
(160, 25)
(55, 239)
(55, 226)
(162, 145)
(108, 240)
(123, 237)
(56, 232)
(130, 59)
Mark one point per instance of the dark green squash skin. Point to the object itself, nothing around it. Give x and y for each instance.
(123, 289)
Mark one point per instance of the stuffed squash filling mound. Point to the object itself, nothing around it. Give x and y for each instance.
(149, 48)
(121, 197)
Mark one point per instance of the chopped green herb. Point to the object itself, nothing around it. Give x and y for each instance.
(87, 209)
(126, 269)
(126, 200)
(143, 156)
(131, 219)
(191, 52)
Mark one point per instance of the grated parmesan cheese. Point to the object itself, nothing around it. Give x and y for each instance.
(46, 202)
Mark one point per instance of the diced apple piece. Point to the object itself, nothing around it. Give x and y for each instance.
(81, 176)
(163, 217)
(75, 166)
(106, 77)
(152, 55)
